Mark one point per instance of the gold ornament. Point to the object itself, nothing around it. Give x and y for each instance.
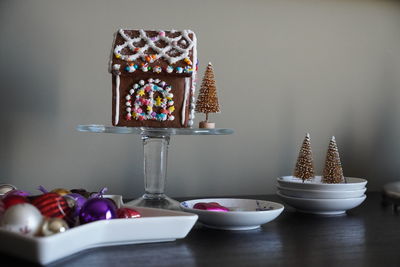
(53, 226)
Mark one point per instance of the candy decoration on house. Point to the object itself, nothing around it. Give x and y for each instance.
(305, 165)
(333, 172)
(153, 78)
(207, 101)
(143, 105)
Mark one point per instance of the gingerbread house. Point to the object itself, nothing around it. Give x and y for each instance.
(153, 78)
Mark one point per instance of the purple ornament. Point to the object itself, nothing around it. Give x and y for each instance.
(96, 209)
(75, 201)
(16, 193)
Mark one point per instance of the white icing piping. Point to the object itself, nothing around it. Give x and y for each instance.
(112, 54)
(117, 82)
(172, 44)
(187, 88)
(194, 67)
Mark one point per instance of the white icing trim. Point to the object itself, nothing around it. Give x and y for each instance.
(117, 82)
(187, 88)
(172, 44)
(193, 86)
(110, 63)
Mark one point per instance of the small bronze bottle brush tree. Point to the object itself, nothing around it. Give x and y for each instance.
(207, 101)
(305, 165)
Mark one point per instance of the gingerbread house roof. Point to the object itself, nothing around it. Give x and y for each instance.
(157, 51)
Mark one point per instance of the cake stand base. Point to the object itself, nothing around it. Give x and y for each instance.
(160, 202)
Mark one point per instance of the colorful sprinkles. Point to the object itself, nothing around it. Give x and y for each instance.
(150, 100)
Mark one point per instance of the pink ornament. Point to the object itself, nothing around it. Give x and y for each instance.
(139, 110)
(210, 206)
(162, 33)
(127, 213)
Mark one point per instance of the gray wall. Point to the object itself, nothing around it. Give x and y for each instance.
(283, 68)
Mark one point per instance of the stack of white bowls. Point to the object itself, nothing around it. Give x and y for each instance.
(321, 198)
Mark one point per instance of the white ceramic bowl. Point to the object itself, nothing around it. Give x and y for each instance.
(321, 194)
(322, 206)
(155, 225)
(245, 214)
(316, 184)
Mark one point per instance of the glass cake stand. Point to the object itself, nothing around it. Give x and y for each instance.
(155, 155)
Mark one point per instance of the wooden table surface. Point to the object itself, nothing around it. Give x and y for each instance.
(368, 235)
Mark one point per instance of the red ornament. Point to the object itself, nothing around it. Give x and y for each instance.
(127, 213)
(52, 205)
(12, 200)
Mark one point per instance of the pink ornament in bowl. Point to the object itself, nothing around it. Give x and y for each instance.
(210, 206)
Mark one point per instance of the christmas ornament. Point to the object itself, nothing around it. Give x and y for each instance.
(16, 193)
(75, 202)
(82, 192)
(127, 213)
(210, 206)
(96, 209)
(333, 172)
(52, 205)
(60, 191)
(4, 188)
(51, 226)
(2, 208)
(11, 200)
(23, 218)
(207, 101)
(304, 166)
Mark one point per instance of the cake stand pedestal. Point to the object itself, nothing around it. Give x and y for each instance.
(155, 156)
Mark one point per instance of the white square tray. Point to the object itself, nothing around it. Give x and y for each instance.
(155, 225)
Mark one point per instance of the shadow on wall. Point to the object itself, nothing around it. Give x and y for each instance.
(384, 159)
(29, 81)
(376, 158)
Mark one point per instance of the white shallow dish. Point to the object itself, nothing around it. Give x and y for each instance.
(302, 193)
(155, 225)
(322, 206)
(245, 214)
(316, 184)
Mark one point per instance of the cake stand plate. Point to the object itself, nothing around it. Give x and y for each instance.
(155, 154)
